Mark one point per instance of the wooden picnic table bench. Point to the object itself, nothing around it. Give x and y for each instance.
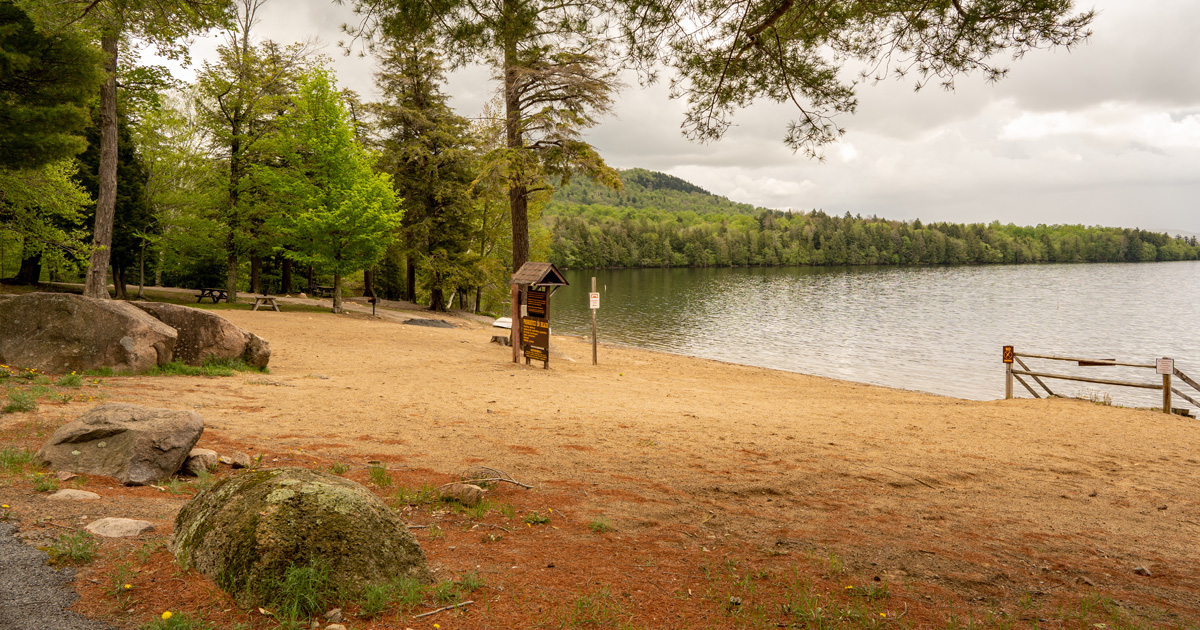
(320, 291)
(216, 295)
(265, 300)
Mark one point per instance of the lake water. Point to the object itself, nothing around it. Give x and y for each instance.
(934, 329)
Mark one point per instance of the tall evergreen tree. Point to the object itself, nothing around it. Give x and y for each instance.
(427, 149)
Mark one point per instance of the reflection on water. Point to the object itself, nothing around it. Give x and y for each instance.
(936, 329)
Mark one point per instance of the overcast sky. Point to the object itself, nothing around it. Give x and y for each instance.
(1106, 134)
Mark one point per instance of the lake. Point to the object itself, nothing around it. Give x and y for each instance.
(933, 329)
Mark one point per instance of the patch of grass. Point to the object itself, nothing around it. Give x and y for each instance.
(425, 495)
(338, 468)
(70, 380)
(380, 476)
(177, 621)
(596, 610)
(78, 548)
(303, 590)
(204, 480)
(100, 371)
(120, 585)
(536, 518)
(20, 400)
(470, 582)
(601, 526)
(44, 483)
(871, 591)
(435, 532)
(175, 485)
(446, 592)
(14, 460)
(834, 566)
(376, 598)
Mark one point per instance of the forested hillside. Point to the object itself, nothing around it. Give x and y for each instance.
(658, 220)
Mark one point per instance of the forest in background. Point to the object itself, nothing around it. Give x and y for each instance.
(657, 220)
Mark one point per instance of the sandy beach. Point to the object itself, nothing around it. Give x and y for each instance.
(960, 505)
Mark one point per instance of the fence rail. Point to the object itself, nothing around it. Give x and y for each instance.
(1164, 367)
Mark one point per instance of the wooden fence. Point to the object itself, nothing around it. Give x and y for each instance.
(1164, 367)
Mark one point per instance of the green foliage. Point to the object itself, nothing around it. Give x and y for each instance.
(46, 81)
(667, 227)
(13, 460)
(537, 518)
(77, 548)
(46, 207)
(380, 476)
(597, 609)
(211, 367)
(302, 591)
(178, 621)
(601, 526)
(20, 400)
(43, 482)
(338, 468)
(70, 380)
(345, 213)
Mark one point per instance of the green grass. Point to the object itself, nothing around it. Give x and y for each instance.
(20, 400)
(303, 590)
(338, 468)
(44, 483)
(536, 518)
(178, 621)
(78, 548)
(601, 526)
(70, 380)
(403, 592)
(14, 460)
(597, 609)
(380, 476)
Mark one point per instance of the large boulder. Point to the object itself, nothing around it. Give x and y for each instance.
(203, 335)
(137, 445)
(248, 529)
(62, 332)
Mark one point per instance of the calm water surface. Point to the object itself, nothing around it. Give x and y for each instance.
(937, 329)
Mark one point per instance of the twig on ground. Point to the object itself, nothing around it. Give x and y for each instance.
(444, 608)
(483, 474)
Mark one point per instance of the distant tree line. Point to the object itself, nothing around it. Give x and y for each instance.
(598, 236)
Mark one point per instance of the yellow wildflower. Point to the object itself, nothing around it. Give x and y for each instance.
(166, 615)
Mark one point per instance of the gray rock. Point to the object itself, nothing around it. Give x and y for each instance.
(65, 475)
(73, 495)
(119, 527)
(253, 526)
(61, 332)
(1142, 571)
(225, 459)
(334, 616)
(137, 445)
(241, 460)
(431, 323)
(200, 460)
(465, 493)
(335, 626)
(204, 335)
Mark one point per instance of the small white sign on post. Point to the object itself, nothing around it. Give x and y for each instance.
(594, 300)
(1164, 366)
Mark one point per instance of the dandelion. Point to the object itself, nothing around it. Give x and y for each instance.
(849, 588)
(550, 510)
(5, 506)
(882, 614)
(166, 615)
(436, 626)
(128, 586)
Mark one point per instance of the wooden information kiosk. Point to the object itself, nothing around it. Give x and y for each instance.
(532, 286)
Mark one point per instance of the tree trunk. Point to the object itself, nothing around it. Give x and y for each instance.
(410, 279)
(286, 277)
(162, 255)
(231, 265)
(142, 273)
(337, 292)
(368, 282)
(118, 276)
(30, 271)
(478, 298)
(311, 280)
(106, 203)
(518, 196)
(255, 273)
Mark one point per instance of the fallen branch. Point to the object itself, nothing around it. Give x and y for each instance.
(444, 608)
(487, 480)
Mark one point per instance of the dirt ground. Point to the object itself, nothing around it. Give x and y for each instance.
(740, 497)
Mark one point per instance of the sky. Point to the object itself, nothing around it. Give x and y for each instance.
(1104, 134)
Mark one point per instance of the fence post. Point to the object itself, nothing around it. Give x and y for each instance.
(1166, 393)
(1008, 381)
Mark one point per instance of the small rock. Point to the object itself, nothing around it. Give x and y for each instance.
(73, 495)
(334, 616)
(225, 459)
(1142, 571)
(119, 527)
(64, 475)
(241, 460)
(1083, 579)
(200, 460)
(315, 624)
(302, 294)
(335, 626)
(465, 493)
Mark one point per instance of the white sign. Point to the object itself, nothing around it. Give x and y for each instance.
(1164, 365)
(594, 299)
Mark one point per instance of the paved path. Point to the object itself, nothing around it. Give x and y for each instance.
(33, 595)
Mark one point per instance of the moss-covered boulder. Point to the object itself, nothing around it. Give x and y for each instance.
(247, 530)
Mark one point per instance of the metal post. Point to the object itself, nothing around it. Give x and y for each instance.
(1166, 393)
(593, 324)
(1008, 381)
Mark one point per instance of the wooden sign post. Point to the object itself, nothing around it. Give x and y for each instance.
(1008, 374)
(1165, 366)
(594, 303)
(532, 286)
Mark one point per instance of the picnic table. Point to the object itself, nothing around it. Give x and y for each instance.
(320, 291)
(215, 294)
(265, 300)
